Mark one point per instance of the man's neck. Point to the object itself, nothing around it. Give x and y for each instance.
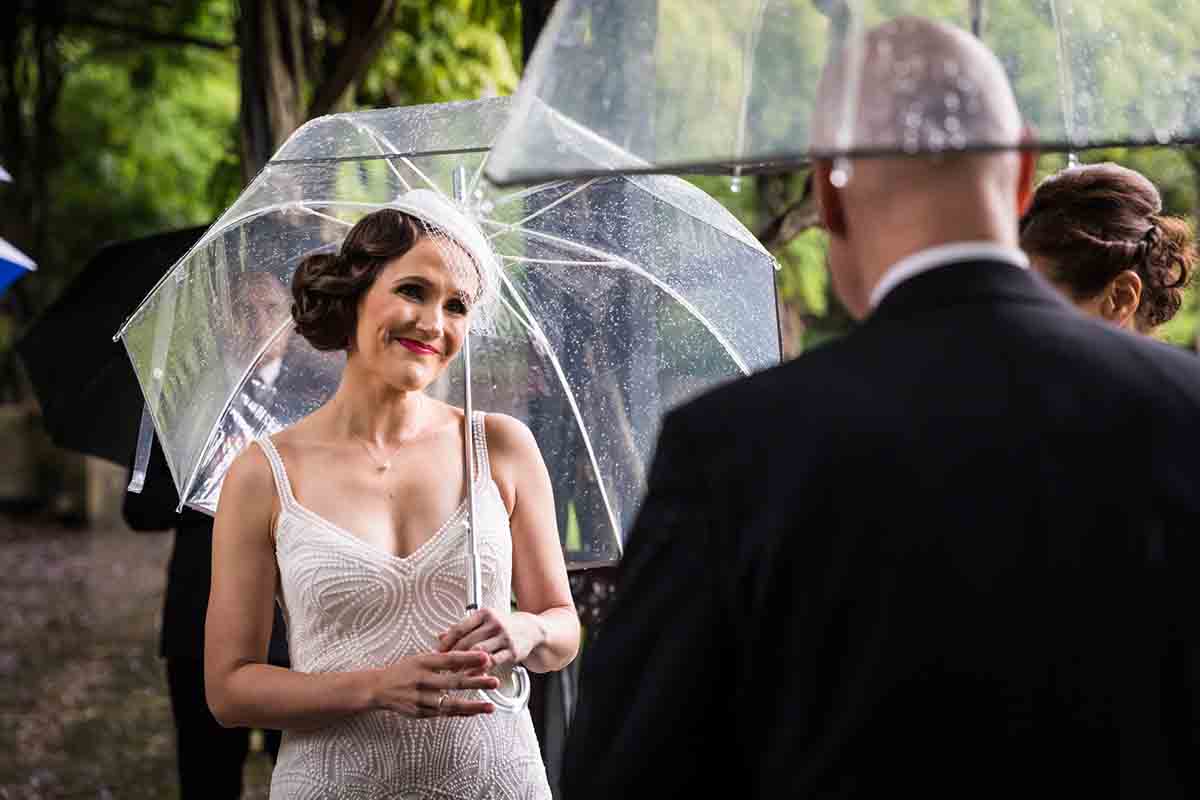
(880, 255)
(942, 256)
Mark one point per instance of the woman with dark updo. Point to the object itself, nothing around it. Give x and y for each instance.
(1098, 234)
(353, 520)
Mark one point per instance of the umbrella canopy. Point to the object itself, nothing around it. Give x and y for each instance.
(618, 298)
(728, 85)
(13, 265)
(90, 399)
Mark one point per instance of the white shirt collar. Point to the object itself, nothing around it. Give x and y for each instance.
(268, 372)
(941, 255)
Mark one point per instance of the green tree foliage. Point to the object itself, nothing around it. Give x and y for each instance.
(123, 120)
(803, 280)
(457, 50)
(130, 138)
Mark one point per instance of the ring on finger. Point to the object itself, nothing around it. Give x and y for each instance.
(442, 700)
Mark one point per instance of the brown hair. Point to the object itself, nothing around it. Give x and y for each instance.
(328, 287)
(1091, 223)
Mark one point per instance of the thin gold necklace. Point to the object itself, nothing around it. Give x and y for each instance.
(383, 466)
(380, 466)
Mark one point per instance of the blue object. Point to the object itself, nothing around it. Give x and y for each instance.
(13, 265)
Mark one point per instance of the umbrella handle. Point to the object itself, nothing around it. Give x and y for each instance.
(141, 459)
(514, 697)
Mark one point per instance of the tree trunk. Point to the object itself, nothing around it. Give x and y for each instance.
(366, 30)
(45, 135)
(272, 78)
(786, 218)
(280, 68)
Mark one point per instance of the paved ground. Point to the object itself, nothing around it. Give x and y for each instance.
(83, 700)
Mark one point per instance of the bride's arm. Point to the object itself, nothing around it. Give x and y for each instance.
(243, 690)
(544, 633)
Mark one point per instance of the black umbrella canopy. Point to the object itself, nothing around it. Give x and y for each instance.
(90, 398)
(729, 85)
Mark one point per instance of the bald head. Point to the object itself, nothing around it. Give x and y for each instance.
(921, 98)
(914, 85)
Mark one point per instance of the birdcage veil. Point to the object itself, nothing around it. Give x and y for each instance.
(463, 247)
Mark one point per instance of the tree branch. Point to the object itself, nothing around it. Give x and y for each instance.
(795, 219)
(366, 31)
(146, 34)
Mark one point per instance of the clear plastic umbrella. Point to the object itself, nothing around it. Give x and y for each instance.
(620, 297)
(728, 85)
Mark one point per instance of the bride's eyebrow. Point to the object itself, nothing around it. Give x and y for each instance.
(399, 279)
(455, 291)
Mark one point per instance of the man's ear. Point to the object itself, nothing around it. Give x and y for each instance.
(829, 201)
(1026, 173)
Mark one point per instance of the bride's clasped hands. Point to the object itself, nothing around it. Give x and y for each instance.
(507, 639)
(421, 686)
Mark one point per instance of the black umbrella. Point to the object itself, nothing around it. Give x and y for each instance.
(91, 402)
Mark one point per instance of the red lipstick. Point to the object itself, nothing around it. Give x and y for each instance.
(416, 347)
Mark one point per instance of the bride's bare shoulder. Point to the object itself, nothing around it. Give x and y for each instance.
(507, 434)
(248, 486)
(510, 443)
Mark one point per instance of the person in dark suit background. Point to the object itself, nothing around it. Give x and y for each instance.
(951, 554)
(209, 758)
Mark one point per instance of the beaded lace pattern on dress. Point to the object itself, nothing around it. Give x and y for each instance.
(350, 605)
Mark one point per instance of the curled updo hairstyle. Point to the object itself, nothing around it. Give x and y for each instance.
(1088, 224)
(328, 287)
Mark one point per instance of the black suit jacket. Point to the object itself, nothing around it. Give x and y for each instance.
(953, 554)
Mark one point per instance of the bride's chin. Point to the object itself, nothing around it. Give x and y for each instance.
(409, 379)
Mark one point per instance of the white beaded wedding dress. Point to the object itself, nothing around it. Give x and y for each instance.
(350, 605)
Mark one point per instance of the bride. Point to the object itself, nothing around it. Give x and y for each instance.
(353, 520)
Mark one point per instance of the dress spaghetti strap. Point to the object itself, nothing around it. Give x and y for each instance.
(483, 469)
(283, 487)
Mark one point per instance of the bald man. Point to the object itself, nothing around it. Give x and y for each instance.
(952, 554)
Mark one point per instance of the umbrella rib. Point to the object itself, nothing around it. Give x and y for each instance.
(424, 177)
(222, 225)
(530, 323)
(630, 160)
(204, 239)
(329, 217)
(546, 208)
(748, 76)
(377, 137)
(528, 191)
(558, 262)
(478, 174)
(645, 183)
(237, 388)
(304, 205)
(616, 261)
